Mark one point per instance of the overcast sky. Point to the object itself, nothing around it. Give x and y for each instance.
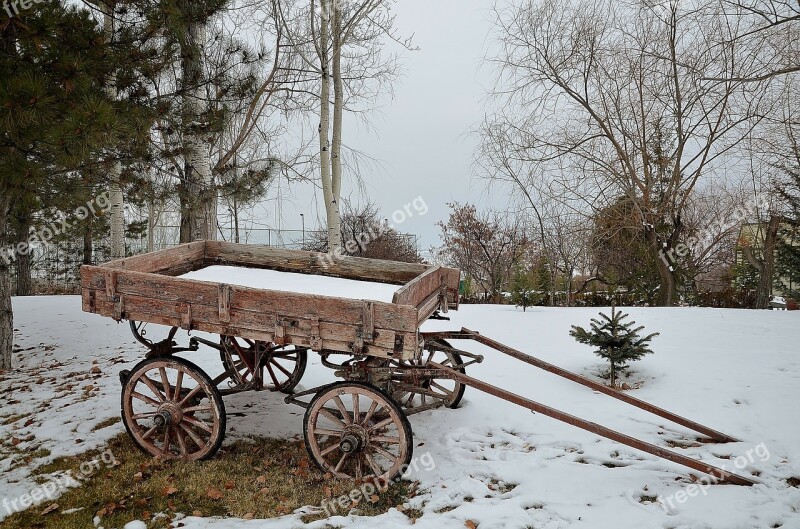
(421, 136)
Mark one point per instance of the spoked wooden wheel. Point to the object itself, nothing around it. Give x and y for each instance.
(428, 392)
(355, 431)
(261, 365)
(172, 409)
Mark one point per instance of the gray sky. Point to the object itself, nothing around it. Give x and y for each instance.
(421, 135)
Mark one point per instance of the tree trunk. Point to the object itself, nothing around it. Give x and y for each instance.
(9, 47)
(6, 311)
(331, 202)
(116, 209)
(24, 281)
(767, 269)
(151, 224)
(666, 275)
(198, 201)
(87, 241)
(334, 224)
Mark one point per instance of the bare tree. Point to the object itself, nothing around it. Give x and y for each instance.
(616, 99)
(485, 245)
(341, 45)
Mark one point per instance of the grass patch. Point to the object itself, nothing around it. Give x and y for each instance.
(111, 421)
(254, 478)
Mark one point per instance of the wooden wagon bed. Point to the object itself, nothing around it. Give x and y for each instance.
(146, 288)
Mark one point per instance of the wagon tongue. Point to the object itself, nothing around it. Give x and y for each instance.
(718, 474)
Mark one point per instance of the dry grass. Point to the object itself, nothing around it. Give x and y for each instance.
(257, 478)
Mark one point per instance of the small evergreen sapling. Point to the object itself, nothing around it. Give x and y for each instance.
(616, 341)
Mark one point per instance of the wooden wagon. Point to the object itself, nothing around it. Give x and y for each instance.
(354, 428)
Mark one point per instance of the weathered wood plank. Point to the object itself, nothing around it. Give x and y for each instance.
(253, 325)
(172, 261)
(220, 252)
(288, 304)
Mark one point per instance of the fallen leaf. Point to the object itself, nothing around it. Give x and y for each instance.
(197, 513)
(138, 477)
(470, 524)
(229, 485)
(50, 509)
(261, 480)
(214, 494)
(248, 516)
(169, 491)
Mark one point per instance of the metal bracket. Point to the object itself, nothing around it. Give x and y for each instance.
(225, 293)
(119, 307)
(186, 318)
(315, 340)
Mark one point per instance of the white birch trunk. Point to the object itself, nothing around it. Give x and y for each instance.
(331, 201)
(334, 223)
(116, 198)
(201, 194)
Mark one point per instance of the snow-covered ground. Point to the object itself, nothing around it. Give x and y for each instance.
(489, 461)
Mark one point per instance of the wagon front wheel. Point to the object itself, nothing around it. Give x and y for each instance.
(355, 431)
(171, 409)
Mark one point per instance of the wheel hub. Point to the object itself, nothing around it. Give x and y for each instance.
(168, 413)
(354, 439)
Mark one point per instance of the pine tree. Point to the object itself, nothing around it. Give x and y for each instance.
(57, 119)
(616, 341)
(788, 248)
(524, 288)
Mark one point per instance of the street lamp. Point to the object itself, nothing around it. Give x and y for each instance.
(303, 219)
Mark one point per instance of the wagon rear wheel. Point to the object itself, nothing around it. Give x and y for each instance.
(172, 409)
(279, 368)
(355, 431)
(428, 391)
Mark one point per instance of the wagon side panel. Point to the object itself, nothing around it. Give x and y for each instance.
(319, 322)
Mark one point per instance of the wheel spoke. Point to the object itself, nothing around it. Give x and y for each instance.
(385, 453)
(372, 409)
(342, 409)
(192, 409)
(272, 375)
(283, 369)
(329, 415)
(200, 424)
(356, 411)
(325, 431)
(145, 415)
(150, 432)
(373, 465)
(330, 449)
(338, 466)
(196, 438)
(152, 385)
(178, 384)
(189, 395)
(145, 398)
(165, 447)
(386, 422)
(165, 382)
(385, 439)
